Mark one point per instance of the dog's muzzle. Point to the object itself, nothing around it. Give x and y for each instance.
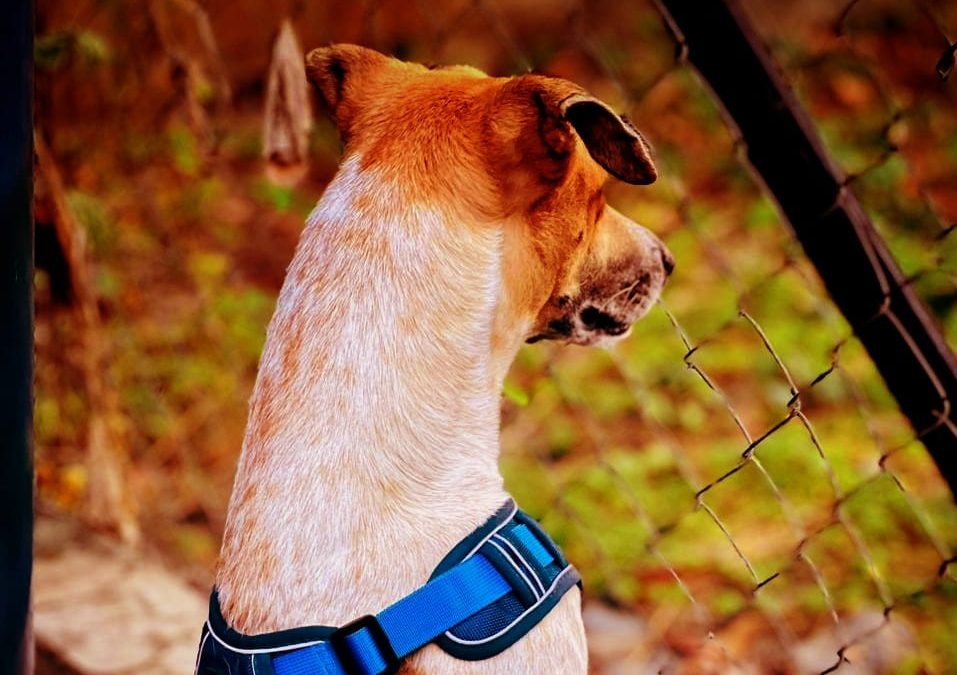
(610, 301)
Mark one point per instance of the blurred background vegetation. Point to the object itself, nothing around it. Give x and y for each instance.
(152, 118)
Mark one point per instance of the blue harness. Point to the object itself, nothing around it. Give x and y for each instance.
(488, 592)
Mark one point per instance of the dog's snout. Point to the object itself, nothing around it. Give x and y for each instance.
(667, 260)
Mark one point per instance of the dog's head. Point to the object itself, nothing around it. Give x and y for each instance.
(528, 153)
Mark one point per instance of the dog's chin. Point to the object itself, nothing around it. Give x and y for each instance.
(601, 339)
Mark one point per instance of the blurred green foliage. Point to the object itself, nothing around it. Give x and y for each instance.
(54, 51)
(609, 448)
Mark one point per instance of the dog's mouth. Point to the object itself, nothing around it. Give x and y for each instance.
(592, 323)
(604, 306)
(599, 321)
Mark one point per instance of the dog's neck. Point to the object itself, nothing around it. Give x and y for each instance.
(373, 436)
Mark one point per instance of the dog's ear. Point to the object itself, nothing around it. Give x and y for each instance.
(612, 140)
(337, 73)
(565, 110)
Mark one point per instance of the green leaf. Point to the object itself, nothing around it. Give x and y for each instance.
(91, 48)
(515, 394)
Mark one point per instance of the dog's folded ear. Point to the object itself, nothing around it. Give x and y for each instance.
(565, 110)
(336, 72)
(612, 140)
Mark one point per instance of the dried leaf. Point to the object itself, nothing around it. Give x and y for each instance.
(288, 116)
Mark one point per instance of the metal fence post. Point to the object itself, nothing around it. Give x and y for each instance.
(16, 334)
(860, 273)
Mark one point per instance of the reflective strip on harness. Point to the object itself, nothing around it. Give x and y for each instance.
(538, 575)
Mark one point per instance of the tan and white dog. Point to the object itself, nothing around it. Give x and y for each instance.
(467, 218)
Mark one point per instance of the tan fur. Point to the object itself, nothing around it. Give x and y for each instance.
(467, 218)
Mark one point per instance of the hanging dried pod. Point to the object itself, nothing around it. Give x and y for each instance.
(288, 116)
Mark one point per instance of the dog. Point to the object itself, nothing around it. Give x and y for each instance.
(466, 219)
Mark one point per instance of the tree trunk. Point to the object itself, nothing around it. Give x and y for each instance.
(110, 503)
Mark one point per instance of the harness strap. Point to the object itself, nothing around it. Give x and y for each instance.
(409, 624)
(488, 592)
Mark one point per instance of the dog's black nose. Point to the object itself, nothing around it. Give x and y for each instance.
(667, 260)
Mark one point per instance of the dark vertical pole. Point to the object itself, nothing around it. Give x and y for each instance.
(861, 275)
(16, 333)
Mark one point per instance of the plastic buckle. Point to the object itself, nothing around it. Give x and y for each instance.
(347, 659)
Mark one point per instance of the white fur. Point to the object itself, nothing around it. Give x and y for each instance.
(387, 440)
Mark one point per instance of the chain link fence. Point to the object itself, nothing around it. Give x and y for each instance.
(735, 481)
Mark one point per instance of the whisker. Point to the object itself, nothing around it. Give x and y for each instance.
(627, 290)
